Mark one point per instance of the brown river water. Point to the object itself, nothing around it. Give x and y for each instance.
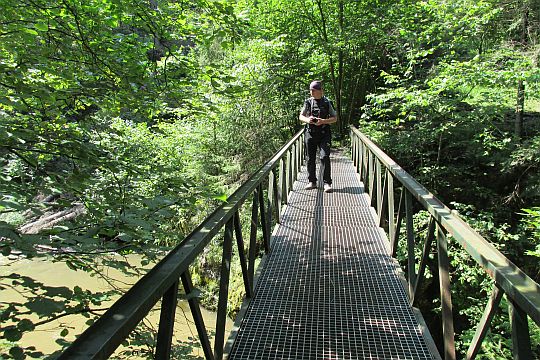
(45, 274)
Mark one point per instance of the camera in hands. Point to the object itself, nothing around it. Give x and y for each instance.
(315, 116)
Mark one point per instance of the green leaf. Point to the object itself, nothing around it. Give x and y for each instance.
(9, 233)
(124, 237)
(30, 31)
(11, 204)
(222, 197)
(41, 26)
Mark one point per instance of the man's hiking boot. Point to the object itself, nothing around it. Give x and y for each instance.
(310, 186)
(327, 188)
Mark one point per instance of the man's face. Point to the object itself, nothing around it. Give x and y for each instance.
(317, 94)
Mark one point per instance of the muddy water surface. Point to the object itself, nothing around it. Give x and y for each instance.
(56, 277)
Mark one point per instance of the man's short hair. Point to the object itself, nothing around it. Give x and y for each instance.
(315, 85)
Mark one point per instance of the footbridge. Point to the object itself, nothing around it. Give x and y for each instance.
(328, 286)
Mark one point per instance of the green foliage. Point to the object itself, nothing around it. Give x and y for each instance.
(471, 286)
(83, 120)
(444, 111)
(103, 124)
(532, 222)
(124, 124)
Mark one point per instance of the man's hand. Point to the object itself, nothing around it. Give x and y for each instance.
(315, 120)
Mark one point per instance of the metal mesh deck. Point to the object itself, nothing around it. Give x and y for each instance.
(329, 289)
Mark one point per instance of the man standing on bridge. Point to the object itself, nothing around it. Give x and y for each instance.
(318, 113)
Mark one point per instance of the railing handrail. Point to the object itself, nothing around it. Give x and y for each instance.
(523, 293)
(106, 334)
(515, 283)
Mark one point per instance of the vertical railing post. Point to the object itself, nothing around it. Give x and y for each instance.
(379, 187)
(358, 149)
(300, 153)
(303, 151)
(197, 316)
(366, 162)
(361, 161)
(446, 297)
(366, 170)
(219, 340)
(358, 152)
(270, 193)
(166, 322)
(293, 155)
(241, 254)
(277, 196)
(280, 184)
(384, 198)
(395, 239)
(283, 182)
(354, 149)
(430, 236)
(371, 175)
(410, 243)
(264, 221)
(303, 144)
(521, 339)
(270, 209)
(391, 209)
(298, 159)
(297, 148)
(253, 238)
(289, 171)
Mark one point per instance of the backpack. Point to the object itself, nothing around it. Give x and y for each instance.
(319, 109)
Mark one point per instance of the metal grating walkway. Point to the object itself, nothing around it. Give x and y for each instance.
(329, 289)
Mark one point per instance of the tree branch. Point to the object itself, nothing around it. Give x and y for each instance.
(80, 311)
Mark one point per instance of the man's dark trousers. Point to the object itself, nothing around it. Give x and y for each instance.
(318, 137)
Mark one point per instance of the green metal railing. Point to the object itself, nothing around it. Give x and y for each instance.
(382, 178)
(101, 339)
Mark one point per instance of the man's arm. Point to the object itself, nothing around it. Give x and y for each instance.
(330, 120)
(305, 119)
(303, 115)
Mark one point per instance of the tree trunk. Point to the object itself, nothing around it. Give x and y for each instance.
(336, 76)
(520, 103)
(340, 72)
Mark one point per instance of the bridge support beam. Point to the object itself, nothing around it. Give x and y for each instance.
(410, 243)
(197, 316)
(219, 340)
(242, 255)
(446, 297)
(483, 326)
(166, 322)
(425, 256)
(521, 339)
